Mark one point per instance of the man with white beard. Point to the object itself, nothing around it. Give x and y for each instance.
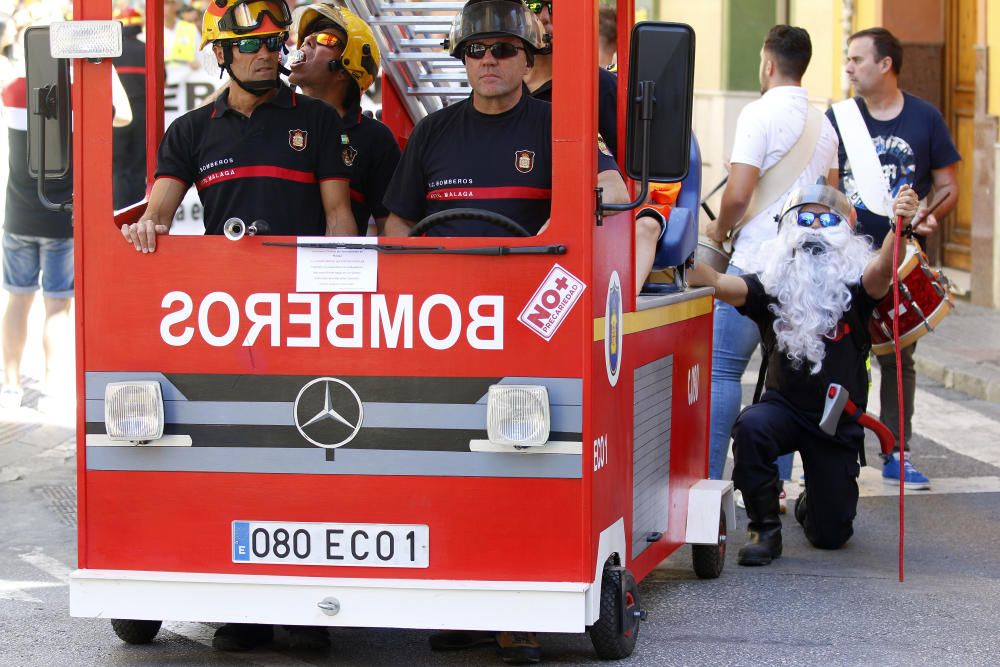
(811, 301)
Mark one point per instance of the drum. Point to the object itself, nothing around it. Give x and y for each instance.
(713, 254)
(924, 300)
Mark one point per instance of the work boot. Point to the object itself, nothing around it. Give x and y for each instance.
(519, 648)
(764, 530)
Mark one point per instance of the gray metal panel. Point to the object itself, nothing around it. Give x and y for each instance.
(313, 461)
(651, 450)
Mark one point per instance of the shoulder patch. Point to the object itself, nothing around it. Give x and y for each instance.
(601, 146)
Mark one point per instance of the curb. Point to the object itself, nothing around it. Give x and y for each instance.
(959, 373)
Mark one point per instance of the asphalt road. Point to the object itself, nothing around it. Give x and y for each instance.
(810, 607)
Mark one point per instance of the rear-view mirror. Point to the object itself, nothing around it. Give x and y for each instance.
(662, 53)
(49, 138)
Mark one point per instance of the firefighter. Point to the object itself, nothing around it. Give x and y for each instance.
(338, 62)
(539, 80)
(259, 151)
(130, 141)
(493, 150)
(812, 300)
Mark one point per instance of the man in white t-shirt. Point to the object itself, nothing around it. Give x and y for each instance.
(766, 130)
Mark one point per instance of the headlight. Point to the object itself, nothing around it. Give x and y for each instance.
(133, 411)
(85, 39)
(517, 415)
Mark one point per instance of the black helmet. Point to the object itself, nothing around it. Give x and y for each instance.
(491, 18)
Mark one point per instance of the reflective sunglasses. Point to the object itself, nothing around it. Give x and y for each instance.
(253, 44)
(537, 7)
(807, 218)
(500, 50)
(326, 39)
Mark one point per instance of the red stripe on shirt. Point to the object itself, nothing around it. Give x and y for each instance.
(490, 193)
(357, 196)
(130, 70)
(263, 171)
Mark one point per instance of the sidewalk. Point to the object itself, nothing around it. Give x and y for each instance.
(963, 353)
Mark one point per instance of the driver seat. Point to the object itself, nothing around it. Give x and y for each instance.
(680, 238)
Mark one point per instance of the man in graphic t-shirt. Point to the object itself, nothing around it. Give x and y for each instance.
(915, 149)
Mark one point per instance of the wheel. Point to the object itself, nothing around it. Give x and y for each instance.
(709, 559)
(441, 217)
(135, 632)
(800, 508)
(615, 633)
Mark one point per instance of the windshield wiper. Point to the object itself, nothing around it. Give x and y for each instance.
(388, 249)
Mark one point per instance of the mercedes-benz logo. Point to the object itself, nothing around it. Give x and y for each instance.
(329, 409)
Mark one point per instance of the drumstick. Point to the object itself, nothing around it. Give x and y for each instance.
(931, 210)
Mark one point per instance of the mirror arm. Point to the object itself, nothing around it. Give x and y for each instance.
(647, 105)
(43, 109)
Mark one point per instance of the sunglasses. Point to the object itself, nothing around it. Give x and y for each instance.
(326, 39)
(537, 7)
(253, 44)
(500, 50)
(807, 218)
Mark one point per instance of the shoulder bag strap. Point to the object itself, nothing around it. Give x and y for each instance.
(777, 180)
(869, 179)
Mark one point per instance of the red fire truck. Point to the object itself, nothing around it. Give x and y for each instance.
(467, 434)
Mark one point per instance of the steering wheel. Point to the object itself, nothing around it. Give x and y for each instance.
(451, 215)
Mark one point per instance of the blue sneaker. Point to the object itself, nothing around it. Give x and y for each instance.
(913, 479)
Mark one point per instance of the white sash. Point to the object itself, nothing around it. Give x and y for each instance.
(869, 178)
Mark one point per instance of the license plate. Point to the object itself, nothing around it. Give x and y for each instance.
(347, 544)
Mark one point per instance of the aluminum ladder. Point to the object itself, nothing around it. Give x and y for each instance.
(410, 35)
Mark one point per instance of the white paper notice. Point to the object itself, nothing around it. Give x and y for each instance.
(336, 269)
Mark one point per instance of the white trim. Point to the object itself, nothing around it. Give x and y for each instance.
(550, 447)
(102, 440)
(706, 500)
(384, 603)
(611, 541)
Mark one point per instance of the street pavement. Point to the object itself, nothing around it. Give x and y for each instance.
(843, 607)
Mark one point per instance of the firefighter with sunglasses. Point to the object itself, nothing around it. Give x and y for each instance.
(337, 61)
(492, 150)
(259, 151)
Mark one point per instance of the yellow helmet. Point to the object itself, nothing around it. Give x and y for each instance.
(235, 19)
(361, 56)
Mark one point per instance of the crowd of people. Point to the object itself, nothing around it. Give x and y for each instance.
(809, 260)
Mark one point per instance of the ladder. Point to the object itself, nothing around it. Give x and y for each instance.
(409, 34)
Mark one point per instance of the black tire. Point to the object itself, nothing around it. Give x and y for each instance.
(135, 632)
(610, 640)
(710, 559)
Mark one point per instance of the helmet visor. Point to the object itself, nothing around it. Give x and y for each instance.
(496, 17)
(248, 15)
(823, 195)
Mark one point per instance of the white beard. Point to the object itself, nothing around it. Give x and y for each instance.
(812, 290)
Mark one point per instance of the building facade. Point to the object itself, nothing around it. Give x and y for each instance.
(950, 49)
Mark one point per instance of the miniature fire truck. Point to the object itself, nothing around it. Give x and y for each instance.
(459, 438)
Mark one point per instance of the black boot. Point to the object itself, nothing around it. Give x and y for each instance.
(764, 531)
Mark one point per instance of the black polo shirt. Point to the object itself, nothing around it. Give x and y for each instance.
(607, 105)
(369, 149)
(265, 167)
(458, 157)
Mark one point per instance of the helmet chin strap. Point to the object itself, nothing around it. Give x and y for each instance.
(257, 88)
